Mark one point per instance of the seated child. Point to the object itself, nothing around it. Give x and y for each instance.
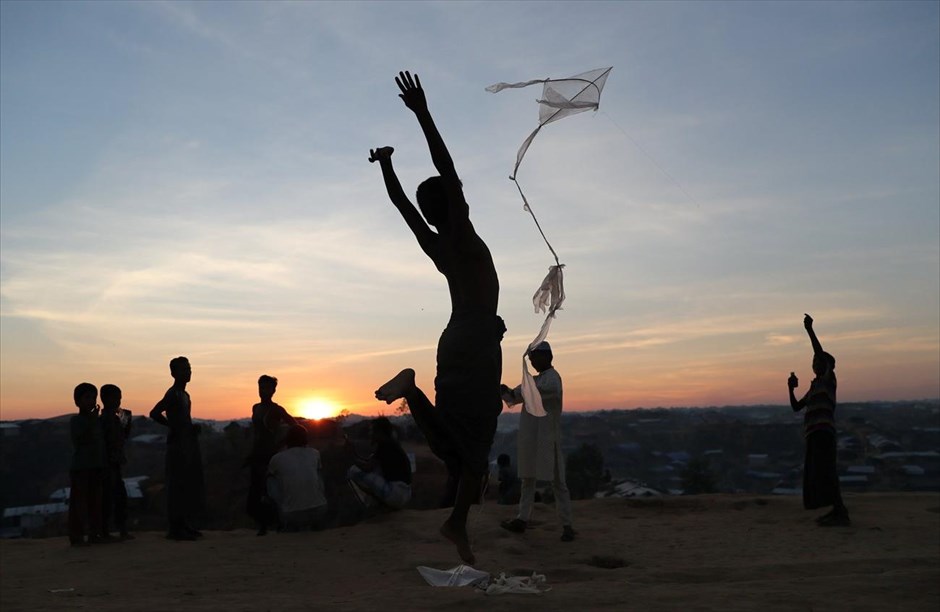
(385, 476)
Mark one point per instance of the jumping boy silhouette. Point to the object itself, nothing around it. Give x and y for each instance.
(460, 425)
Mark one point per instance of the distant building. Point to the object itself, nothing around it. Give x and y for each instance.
(23, 521)
(26, 521)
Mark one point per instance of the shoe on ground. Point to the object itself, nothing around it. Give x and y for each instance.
(567, 534)
(516, 525)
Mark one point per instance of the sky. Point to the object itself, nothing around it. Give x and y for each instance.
(192, 179)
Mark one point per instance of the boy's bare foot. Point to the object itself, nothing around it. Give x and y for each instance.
(396, 388)
(459, 537)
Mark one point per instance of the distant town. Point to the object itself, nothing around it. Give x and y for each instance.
(883, 446)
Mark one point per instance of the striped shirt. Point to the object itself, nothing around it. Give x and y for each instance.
(820, 403)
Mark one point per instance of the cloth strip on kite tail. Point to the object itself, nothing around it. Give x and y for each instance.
(560, 98)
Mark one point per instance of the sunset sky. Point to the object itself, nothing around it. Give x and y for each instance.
(192, 179)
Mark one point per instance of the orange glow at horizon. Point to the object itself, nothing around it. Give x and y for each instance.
(316, 408)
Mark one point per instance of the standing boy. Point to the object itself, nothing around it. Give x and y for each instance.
(266, 417)
(539, 445)
(820, 471)
(115, 428)
(185, 487)
(86, 468)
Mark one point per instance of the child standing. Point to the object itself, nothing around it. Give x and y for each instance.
(115, 428)
(85, 471)
(820, 471)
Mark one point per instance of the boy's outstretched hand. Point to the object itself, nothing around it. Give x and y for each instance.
(411, 92)
(807, 321)
(380, 154)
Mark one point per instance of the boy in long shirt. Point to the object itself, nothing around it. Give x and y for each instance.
(185, 485)
(539, 445)
(820, 472)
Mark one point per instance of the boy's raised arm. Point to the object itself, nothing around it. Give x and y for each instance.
(413, 96)
(808, 324)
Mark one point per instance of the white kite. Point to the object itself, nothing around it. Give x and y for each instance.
(560, 98)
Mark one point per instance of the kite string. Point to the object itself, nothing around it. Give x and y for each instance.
(653, 160)
(529, 210)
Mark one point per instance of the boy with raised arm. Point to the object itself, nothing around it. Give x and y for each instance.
(460, 425)
(820, 474)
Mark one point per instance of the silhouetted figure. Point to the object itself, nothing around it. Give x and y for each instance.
(508, 492)
(820, 472)
(460, 425)
(295, 483)
(539, 445)
(85, 471)
(385, 475)
(266, 417)
(115, 427)
(185, 486)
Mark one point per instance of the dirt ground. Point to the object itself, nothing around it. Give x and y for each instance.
(714, 552)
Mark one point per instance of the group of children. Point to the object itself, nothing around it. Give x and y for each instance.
(287, 488)
(97, 493)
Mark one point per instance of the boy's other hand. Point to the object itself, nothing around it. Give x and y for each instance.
(793, 382)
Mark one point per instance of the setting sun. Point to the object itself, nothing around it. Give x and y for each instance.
(316, 408)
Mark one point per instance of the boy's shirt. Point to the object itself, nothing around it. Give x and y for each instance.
(87, 442)
(114, 436)
(820, 403)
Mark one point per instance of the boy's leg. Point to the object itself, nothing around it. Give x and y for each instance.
(95, 499)
(839, 516)
(562, 495)
(563, 504)
(526, 499)
(455, 527)
(120, 502)
(427, 417)
(78, 506)
(107, 498)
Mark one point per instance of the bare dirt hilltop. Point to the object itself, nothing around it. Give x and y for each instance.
(715, 552)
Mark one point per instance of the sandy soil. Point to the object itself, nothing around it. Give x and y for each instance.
(714, 552)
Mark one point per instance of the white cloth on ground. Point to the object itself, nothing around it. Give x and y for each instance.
(534, 584)
(462, 575)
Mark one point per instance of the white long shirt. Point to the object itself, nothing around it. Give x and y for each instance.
(539, 438)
